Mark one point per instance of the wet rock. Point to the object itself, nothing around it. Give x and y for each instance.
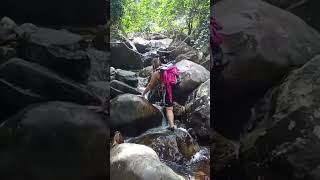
(60, 51)
(198, 112)
(141, 162)
(178, 110)
(64, 140)
(224, 152)
(127, 77)
(192, 75)
(31, 80)
(100, 65)
(198, 118)
(294, 114)
(133, 115)
(118, 87)
(259, 56)
(176, 146)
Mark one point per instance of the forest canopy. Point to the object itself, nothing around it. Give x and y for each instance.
(188, 17)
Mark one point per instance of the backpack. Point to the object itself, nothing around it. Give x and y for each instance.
(169, 75)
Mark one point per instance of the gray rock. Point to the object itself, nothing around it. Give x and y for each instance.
(176, 146)
(133, 111)
(118, 87)
(262, 44)
(123, 57)
(60, 51)
(141, 162)
(192, 75)
(127, 77)
(62, 139)
(31, 80)
(289, 129)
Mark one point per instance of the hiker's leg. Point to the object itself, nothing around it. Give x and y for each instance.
(170, 116)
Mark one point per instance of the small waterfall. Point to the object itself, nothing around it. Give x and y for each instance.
(164, 119)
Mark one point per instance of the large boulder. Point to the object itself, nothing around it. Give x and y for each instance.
(141, 44)
(262, 44)
(54, 140)
(45, 12)
(305, 9)
(177, 146)
(180, 50)
(144, 45)
(23, 98)
(128, 77)
(100, 65)
(192, 75)
(124, 57)
(148, 57)
(133, 115)
(198, 112)
(138, 162)
(60, 51)
(288, 137)
(7, 34)
(28, 80)
(118, 87)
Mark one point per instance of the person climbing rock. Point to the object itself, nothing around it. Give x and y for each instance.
(168, 75)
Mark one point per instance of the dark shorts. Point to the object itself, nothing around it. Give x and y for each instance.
(167, 102)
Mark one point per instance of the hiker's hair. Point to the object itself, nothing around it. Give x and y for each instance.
(156, 63)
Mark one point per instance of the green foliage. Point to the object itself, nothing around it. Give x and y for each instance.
(116, 11)
(189, 17)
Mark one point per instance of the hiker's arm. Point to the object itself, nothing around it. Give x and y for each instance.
(153, 82)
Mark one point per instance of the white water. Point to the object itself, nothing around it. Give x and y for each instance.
(200, 155)
(164, 119)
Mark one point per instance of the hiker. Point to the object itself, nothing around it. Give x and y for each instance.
(168, 76)
(215, 41)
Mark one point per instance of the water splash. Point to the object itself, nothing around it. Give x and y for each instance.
(164, 123)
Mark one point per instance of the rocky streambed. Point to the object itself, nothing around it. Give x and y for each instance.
(181, 154)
